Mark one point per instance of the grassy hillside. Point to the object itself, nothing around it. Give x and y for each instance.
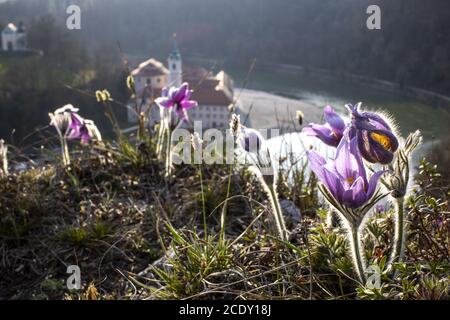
(138, 234)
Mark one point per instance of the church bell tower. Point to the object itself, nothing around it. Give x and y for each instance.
(175, 66)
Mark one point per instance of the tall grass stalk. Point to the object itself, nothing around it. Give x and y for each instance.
(205, 228)
(276, 208)
(223, 215)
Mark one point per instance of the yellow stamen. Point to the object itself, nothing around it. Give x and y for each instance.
(350, 180)
(382, 139)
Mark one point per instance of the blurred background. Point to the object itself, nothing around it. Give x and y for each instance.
(309, 51)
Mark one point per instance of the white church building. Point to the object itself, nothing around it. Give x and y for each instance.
(13, 38)
(213, 92)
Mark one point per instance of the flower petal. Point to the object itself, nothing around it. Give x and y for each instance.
(164, 102)
(333, 184)
(359, 161)
(355, 196)
(66, 108)
(336, 123)
(323, 132)
(181, 114)
(353, 109)
(85, 136)
(179, 94)
(345, 162)
(316, 164)
(75, 120)
(377, 146)
(377, 120)
(188, 104)
(188, 94)
(373, 183)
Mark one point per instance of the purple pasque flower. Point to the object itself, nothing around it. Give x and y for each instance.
(331, 132)
(177, 99)
(250, 139)
(83, 135)
(72, 126)
(86, 131)
(66, 121)
(345, 177)
(76, 127)
(376, 141)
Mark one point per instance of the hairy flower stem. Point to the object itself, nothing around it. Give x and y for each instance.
(160, 140)
(162, 137)
(399, 235)
(3, 172)
(357, 254)
(169, 153)
(65, 151)
(278, 214)
(4, 168)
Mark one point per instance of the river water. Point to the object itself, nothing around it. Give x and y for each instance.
(314, 93)
(409, 113)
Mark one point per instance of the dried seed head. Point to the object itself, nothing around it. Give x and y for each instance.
(99, 96)
(196, 141)
(130, 84)
(103, 96)
(235, 124)
(299, 116)
(107, 95)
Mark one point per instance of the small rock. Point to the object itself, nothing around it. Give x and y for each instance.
(291, 211)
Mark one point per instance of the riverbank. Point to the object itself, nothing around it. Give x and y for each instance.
(267, 110)
(426, 96)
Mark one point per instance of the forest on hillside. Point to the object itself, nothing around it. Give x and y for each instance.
(412, 47)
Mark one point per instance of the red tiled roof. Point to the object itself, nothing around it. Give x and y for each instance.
(195, 74)
(150, 68)
(209, 89)
(210, 96)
